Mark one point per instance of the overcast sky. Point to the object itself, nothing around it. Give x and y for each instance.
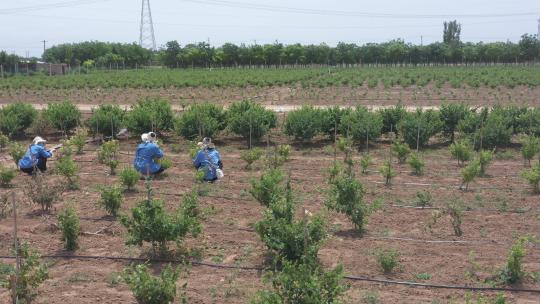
(24, 23)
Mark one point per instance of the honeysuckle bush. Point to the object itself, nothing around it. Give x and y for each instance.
(68, 221)
(451, 115)
(250, 120)
(332, 118)
(268, 187)
(391, 118)
(15, 118)
(461, 151)
(303, 123)
(150, 114)
(63, 116)
(31, 273)
(106, 120)
(150, 222)
(150, 289)
(111, 198)
(200, 120)
(417, 128)
(286, 237)
(303, 283)
(362, 125)
(107, 154)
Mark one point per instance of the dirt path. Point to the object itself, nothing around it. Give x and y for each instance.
(87, 108)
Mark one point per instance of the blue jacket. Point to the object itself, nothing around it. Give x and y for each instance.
(201, 161)
(145, 158)
(32, 156)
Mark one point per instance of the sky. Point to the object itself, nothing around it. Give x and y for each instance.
(25, 23)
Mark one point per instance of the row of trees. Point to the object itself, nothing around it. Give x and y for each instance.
(392, 52)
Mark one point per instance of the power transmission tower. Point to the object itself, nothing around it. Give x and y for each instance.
(146, 37)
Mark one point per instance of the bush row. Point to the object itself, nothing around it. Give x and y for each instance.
(483, 128)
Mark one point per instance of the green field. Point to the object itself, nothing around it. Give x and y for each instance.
(455, 77)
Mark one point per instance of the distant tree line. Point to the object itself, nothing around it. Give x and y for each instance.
(392, 52)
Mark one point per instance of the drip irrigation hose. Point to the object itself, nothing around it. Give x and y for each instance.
(255, 268)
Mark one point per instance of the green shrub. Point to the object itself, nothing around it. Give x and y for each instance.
(529, 122)
(149, 289)
(362, 125)
(250, 120)
(68, 221)
(303, 123)
(304, 284)
(468, 174)
(40, 125)
(513, 271)
(365, 162)
(484, 159)
(461, 151)
(129, 177)
(6, 175)
(268, 188)
(66, 167)
(106, 120)
(165, 163)
(250, 156)
(4, 141)
(43, 193)
(391, 118)
(63, 116)
(79, 139)
(451, 115)
(279, 156)
(402, 151)
(417, 164)
(423, 199)
(111, 199)
(532, 176)
(30, 275)
(387, 172)
(530, 146)
(287, 238)
(417, 128)
(107, 154)
(346, 195)
(330, 119)
(388, 259)
(16, 151)
(200, 120)
(488, 130)
(15, 118)
(150, 114)
(150, 222)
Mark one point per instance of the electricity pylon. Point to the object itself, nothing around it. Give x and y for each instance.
(146, 37)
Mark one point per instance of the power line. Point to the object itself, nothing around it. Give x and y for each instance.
(272, 8)
(48, 6)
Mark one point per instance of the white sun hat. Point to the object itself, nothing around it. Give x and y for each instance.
(38, 140)
(144, 137)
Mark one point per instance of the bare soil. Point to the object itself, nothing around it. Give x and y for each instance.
(499, 208)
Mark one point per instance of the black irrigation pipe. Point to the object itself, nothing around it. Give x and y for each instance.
(255, 268)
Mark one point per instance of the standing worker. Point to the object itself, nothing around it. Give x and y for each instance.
(147, 153)
(35, 157)
(209, 160)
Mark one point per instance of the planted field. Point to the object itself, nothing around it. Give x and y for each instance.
(340, 86)
(446, 197)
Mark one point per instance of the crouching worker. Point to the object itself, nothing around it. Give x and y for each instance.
(147, 153)
(209, 161)
(35, 157)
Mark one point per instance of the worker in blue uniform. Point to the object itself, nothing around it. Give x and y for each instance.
(147, 154)
(36, 157)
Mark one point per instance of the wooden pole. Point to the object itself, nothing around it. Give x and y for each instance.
(16, 246)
